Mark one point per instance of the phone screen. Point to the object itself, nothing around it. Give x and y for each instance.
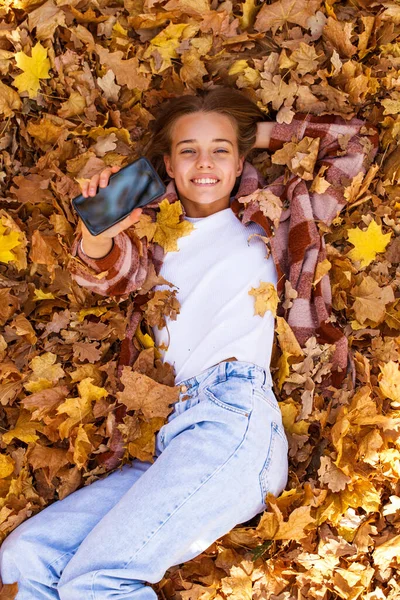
(133, 186)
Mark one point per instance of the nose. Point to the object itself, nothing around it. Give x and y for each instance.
(204, 160)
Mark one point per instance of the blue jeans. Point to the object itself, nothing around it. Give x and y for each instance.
(222, 449)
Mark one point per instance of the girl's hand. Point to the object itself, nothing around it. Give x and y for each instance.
(97, 246)
(263, 135)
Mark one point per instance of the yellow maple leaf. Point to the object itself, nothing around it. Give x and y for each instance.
(145, 227)
(266, 298)
(35, 67)
(169, 228)
(7, 243)
(367, 244)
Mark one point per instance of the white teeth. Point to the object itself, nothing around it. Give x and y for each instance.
(205, 180)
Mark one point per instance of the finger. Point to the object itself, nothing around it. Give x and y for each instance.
(105, 174)
(94, 182)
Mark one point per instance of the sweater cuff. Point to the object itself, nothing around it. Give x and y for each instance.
(98, 264)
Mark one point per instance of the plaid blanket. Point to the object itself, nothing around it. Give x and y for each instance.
(332, 147)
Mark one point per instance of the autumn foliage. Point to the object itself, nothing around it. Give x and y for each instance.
(80, 83)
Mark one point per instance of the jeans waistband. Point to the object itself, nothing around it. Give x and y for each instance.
(223, 370)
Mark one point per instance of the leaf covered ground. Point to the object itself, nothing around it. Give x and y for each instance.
(80, 82)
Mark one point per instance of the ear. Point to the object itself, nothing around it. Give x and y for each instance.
(240, 165)
(168, 167)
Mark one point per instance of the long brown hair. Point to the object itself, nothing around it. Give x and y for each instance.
(243, 112)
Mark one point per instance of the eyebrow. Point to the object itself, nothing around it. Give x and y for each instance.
(214, 140)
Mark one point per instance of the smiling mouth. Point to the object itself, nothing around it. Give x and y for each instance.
(204, 183)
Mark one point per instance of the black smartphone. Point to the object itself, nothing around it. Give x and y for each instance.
(135, 185)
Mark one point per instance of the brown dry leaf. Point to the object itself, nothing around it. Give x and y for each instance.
(371, 300)
(273, 526)
(331, 475)
(238, 586)
(278, 14)
(270, 205)
(143, 393)
(299, 157)
(163, 303)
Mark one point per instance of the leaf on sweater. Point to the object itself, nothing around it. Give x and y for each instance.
(167, 228)
(367, 244)
(265, 298)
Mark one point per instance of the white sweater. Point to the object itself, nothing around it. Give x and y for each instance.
(214, 270)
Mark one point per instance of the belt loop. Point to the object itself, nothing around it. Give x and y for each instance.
(268, 378)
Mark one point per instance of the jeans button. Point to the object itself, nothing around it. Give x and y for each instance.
(183, 388)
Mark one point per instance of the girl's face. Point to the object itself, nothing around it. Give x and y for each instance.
(204, 147)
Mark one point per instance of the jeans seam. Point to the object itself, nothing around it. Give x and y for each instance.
(93, 594)
(49, 565)
(267, 400)
(192, 494)
(274, 431)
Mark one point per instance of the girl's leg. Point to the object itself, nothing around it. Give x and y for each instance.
(37, 551)
(223, 448)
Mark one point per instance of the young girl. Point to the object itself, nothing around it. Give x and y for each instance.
(223, 447)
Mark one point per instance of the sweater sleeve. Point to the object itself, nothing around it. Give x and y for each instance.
(346, 148)
(121, 271)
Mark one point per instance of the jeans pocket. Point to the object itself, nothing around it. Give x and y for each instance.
(274, 473)
(235, 395)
